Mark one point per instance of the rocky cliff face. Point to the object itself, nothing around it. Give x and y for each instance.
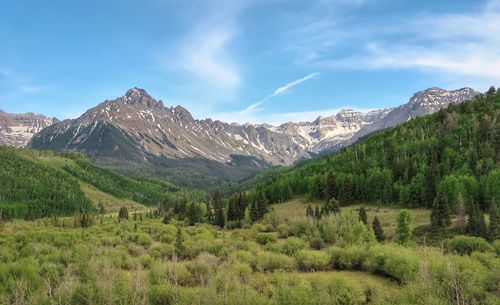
(17, 129)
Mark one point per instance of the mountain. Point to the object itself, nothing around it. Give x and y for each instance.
(328, 134)
(453, 152)
(137, 135)
(139, 129)
(421, 103)
(16, 130)
(42, 183)
(327, 131)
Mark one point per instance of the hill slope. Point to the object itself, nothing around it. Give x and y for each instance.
(455, 150)
(38, 184)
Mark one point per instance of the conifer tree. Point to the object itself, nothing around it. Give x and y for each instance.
(180, 249)
(317, 213)
(219, 209)
(378, 230)
(430, 187)
(231, 209)
(362, 215)
(192, 215)
(476, 225)
(440, 215)
(309, 211)
(461, 218)
(346, 192)
(403, 228)
(122, 213)
(210, 214)
(494, 229)
(330, 186)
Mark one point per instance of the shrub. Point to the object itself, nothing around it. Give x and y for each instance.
(242, 271)
(146, 261)
(312, 260)
(264, 238)
(161, 295)
(354, 257)
(292, 245)
(268, 261)
(465, 245)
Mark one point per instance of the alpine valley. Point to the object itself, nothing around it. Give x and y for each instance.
(137, 135)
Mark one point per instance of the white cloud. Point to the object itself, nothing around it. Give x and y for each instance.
(17, 85)
(258, 106)
(455, 46)
(290, 85)
(206, 56)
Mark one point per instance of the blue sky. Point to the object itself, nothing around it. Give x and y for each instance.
(246, 61)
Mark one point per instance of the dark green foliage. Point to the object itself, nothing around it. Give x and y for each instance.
(378, 230)
(259, 207)
(494, 228)
(403, 228)
(219, 209)
(362, 215)
(332, 206)
(309, 211)
(465, 245)
(123, 213)
(180, 249)
(455, 149)
(476, 225)
(38, 184)
(440, 215)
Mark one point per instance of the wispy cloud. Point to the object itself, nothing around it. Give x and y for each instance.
(15, 85)
(257, 106)
(249, 114)
(451, 45)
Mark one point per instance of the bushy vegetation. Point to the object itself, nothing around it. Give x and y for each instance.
(143, 260)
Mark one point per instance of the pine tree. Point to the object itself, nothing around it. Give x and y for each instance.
(430, 188)
(403, 228)
(440, 215)
(378, 230)
(122, 213)
(476, 225)
(192, 215)
(309, 211)
(317, 213)
(461, 218)
(494, 229)
(346, 192)
(330, 187)
(260, 205)
(219, 209)
(231, 209)
(362, 215)
(180, 249)
(210, 215)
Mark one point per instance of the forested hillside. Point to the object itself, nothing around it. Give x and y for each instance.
(41, 183)
(454, 152)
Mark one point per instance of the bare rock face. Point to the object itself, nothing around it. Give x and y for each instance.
(138, 128)
(17, 129)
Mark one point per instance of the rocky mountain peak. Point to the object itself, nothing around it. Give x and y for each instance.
(138, 96)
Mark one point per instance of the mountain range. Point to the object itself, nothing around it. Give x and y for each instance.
(138, 131)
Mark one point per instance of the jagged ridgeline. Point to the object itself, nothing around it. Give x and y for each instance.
(455, 151)
(37, 184)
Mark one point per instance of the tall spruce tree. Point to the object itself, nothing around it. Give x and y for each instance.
(378, 230)
(461, 215)
(430, 187)
(362, 215)
(330, 186)
(494, 228)
(440, 215)
(219, 209)
(404, 231)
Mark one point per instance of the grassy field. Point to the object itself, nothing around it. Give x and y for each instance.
(110, 203)
(144, 261)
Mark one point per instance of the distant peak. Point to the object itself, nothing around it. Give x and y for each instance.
(136, 92)
(139, 96)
